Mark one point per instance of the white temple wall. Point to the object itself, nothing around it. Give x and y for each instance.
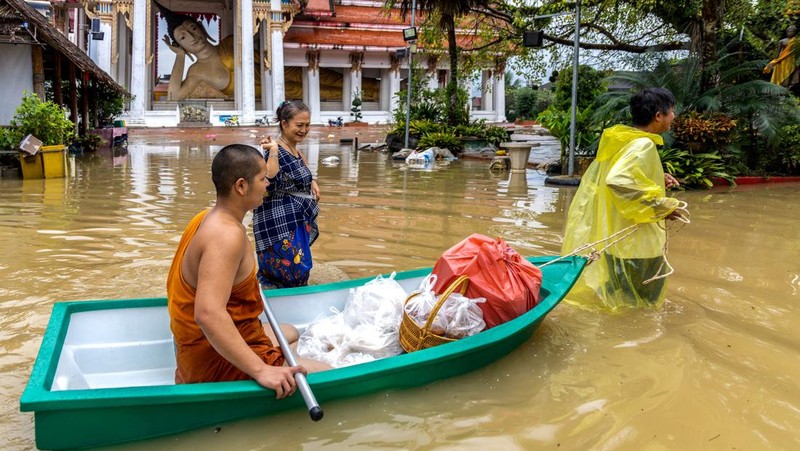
(17, 75)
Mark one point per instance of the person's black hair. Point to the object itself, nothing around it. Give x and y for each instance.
(288, 110)
(233, 162)
(174, 20)
(649, 101)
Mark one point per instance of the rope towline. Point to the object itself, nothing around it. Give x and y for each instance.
(594, 254)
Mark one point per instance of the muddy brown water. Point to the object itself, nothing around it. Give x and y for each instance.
(716, 368)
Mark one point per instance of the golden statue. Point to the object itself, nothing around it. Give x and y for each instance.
(785, 71)
(212, 73)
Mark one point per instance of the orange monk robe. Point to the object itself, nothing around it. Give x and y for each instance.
(783, 65)
(197, 359)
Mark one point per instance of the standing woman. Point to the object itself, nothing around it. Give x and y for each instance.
(285, 225)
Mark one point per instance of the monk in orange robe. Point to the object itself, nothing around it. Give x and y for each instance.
(212, 292)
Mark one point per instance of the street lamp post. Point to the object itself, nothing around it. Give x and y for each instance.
(410, 59)
(575, 59)
(533, 39)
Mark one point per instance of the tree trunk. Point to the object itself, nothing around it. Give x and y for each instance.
(712, 19)
(452, 84)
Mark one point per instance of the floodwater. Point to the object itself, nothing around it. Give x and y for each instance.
(716, 368)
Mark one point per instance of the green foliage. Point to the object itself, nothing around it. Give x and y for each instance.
(495, 135)
(9, 138)
(89, 142)
(443, 139)
(591, 83)
(558, 123)
(790, 139)
(529, 102)
(44, 120)
(694, 170)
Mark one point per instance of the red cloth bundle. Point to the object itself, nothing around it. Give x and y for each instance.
(496, 272)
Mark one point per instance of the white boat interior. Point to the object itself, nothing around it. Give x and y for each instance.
(133, 347)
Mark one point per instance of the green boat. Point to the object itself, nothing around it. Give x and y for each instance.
(105, 370)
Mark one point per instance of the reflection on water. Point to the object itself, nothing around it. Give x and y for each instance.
(716, 368)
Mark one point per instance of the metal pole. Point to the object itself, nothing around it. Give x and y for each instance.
(574, 88)
(408, 88)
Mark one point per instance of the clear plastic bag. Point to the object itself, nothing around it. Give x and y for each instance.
(464, 316)
(420, 304)
(367, 328)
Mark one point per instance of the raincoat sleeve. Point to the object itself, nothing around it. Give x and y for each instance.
(636, 183)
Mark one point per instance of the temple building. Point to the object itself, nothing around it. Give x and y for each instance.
(201, 61)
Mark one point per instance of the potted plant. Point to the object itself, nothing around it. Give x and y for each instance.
(47, 122)
(355, 111)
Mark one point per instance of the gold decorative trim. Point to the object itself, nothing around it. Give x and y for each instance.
(312, 56)
(356, 60)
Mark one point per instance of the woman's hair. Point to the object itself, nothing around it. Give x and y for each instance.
(649, 101)
(288, 109)
(234, 162)
(174, 20)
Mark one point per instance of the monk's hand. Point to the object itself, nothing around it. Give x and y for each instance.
(280, 379)
(670, 181)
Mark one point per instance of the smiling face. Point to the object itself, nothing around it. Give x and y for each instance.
(295, 129)
(190, 36)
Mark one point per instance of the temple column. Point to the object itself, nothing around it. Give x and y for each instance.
(347, 92)
(138, 68)
(394, 88)
(487, 90)
(246, 65)
(266, 78)
(499, 94)
(356, 60)
(312, 76)
(278, 79)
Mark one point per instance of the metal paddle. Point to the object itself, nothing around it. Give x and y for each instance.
(314, 410)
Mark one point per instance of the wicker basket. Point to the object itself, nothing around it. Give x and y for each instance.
(412, 336)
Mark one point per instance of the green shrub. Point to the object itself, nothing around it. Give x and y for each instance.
(528, 102)
(445, 140)
(790, 144)
(694, 170)
(44, 120)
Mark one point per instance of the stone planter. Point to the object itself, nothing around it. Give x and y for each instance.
(519, 153)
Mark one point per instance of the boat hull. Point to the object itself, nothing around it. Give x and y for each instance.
(96, 417)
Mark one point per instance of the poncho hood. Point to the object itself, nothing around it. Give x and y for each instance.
(616, 137)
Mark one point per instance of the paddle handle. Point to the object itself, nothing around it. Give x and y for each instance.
(314, 410)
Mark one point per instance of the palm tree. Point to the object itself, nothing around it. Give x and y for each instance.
(447, 12)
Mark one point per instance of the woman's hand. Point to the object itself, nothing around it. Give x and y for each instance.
(269, 145)
(315, 190)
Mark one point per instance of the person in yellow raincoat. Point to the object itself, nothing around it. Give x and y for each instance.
(625, 185)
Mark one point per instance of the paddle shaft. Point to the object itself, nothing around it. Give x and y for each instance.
(314, 410)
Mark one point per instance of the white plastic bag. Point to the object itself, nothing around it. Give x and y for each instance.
(421, 303)
(464, 317)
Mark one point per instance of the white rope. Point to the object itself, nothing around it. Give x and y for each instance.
(682, 217)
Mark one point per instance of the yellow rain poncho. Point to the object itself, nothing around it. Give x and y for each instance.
(622, 187)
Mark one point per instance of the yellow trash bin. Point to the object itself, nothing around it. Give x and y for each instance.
(48, 162)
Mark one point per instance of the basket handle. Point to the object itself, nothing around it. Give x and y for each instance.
(461, 280)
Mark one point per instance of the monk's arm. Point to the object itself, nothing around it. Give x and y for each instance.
(219, 262)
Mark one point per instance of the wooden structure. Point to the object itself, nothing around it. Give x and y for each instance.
(53, 58)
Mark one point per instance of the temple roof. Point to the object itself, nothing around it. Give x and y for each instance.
(366, 27)
(43, 32)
